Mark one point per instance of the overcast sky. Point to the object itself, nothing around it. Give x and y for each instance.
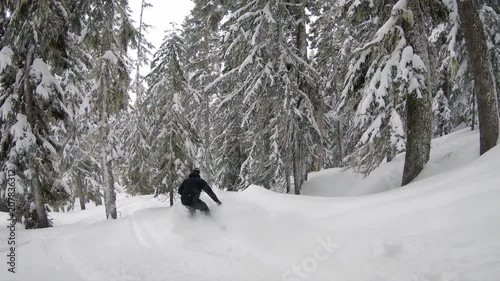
(159, 17)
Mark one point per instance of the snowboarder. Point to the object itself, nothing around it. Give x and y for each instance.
(190, 191)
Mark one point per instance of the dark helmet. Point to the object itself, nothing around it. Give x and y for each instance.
(195, 170)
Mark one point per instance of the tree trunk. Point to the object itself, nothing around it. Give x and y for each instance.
(287, 180)
(390, 153)
(41, 214)
(208, 161)
(106, 167)
(42, 220)
(139, 53)
(473, 125)
(340, 140)
(205, 66)
(319, 162)
(171, 197)
(297, 171)
(418, 108)
(79, 189)
(301, 45)
(495, 64)
(484, 84)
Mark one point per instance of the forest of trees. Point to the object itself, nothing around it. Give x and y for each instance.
(250, 91)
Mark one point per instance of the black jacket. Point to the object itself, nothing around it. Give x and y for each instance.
(191, 188)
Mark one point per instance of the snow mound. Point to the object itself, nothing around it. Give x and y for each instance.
(447, 153)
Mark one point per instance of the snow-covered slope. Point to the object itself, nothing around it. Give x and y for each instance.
(443, 227)
(449, 152)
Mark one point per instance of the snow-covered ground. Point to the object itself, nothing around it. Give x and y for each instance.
(443, 227)
(448, 153)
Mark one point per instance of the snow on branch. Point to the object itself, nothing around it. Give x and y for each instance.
(5, 58)
(387, 27)
(40, 71)
(110, 56)
(22, 135)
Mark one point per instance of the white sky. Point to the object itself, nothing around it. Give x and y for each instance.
(159, 17)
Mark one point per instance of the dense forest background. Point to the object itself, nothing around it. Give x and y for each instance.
(250, 91)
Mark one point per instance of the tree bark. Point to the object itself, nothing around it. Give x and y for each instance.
(79, 189)
(473, 125)
(419, 108)
(205, 66)
(139, 53)
(287, 180)
(106, 167)
(301, 45)
(340, 140)
(208, 160)
(484, 84)
(171, 197)
(42, 220)
(320, 120)
(297, 171)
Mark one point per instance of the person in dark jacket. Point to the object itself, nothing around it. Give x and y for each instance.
(190, 191)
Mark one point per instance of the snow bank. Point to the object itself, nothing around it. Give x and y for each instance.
(447, 153)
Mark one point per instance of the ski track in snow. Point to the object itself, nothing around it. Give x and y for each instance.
(442, 227)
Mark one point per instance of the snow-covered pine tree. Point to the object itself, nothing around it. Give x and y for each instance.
(34, 48)
(454, 59)
(205, 62)
(173, 138)
(138, 170)
(109, 33)
(266, 73)
(78, 157)
(332, 42)
(202, 41)
(450, 64)
(418, 101)
(484, 83)
(375, 83)
(442, 28)
(143, 50)
(136, 130)
(442, 124)
(490, 15)
(386, 82)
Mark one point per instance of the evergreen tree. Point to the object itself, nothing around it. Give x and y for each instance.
(109, 33)
(418, 103)
(442, 115)
(136, 133)
(34, 48)
(143, 50)
(267, 73)
(137, 138)
(331, 55)
(491, 19)
(173, 138)
(451, 68)
(202, 41)
(78, 161)
(373, 94)
(384, 81)
(484, 84)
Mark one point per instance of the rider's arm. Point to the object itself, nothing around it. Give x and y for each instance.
(210, 192)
